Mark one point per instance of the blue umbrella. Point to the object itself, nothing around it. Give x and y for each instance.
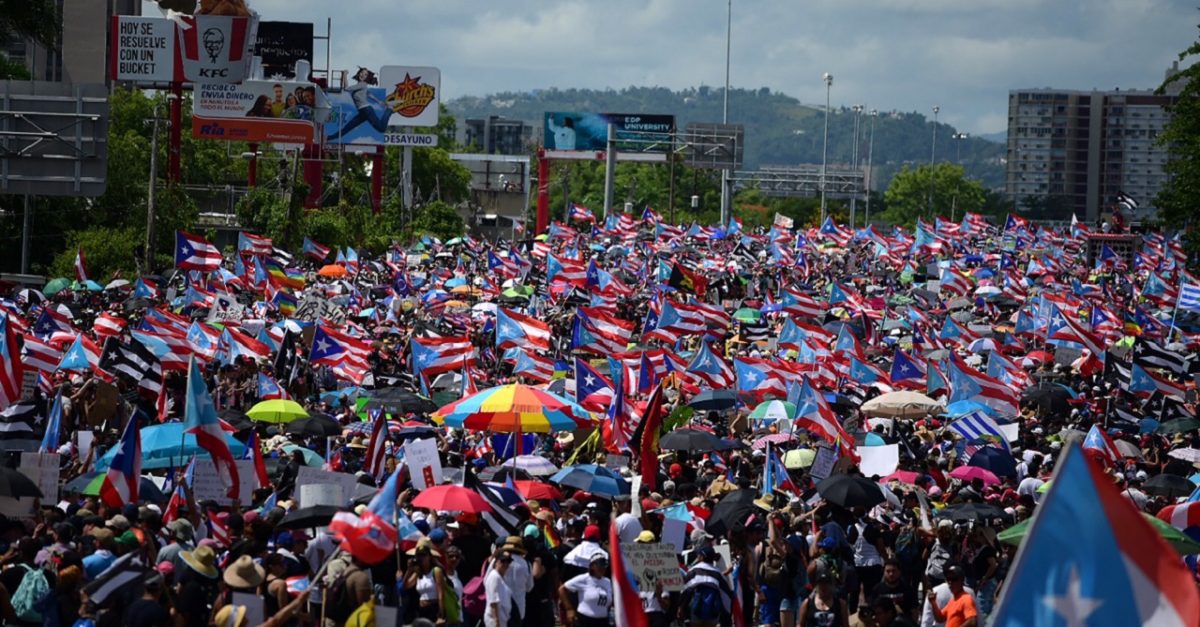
(962, 408)
(995, 459)
(455, 282)
(311, 457)
(165, 445)
(1148, 425)
(592, 478)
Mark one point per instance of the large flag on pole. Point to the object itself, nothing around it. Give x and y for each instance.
(120, 485)
(200, 419)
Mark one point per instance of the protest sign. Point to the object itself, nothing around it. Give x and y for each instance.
(823, 463)
(322, 494)
(29, 385)
(86, 440)
(307, 475)
(423, 462)
(255, 612)
(878, 460)
(42, 469)
(314, 308)
(208, 485)
(654, 563)
(616, 462)
(225, 309)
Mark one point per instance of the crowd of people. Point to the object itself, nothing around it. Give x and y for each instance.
(828, 427)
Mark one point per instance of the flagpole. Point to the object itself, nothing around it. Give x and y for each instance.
(1175, 312)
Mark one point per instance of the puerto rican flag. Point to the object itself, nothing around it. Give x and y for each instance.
(40, 355)
(373, 460)
(1183, 516)
(80, 265)
(123, 478)
(432, 356)
(815, 414)
(1101, 447)
(581, 214)
(107, 325)
(627, 604)
(372, 537)
(517, 329)
(200, 419)
(967, 383)
(592, 390)
(710, 370)
(193, 252)
(254, 244)
(269, 388)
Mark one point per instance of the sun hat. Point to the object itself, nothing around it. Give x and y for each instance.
(645, 537)
(230, 616)
(244, 573)
(513, 544)
(203, 560)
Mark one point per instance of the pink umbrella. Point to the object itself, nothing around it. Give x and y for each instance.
(774, 438)
(970, 473)
(903, 476)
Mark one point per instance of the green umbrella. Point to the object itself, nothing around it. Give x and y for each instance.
(1178, 425)
(55, 286)
(519, 291)
(774, 410)
(799, 458)
(454, 242)
(747, 314)
(276, 411)
(1180, 542)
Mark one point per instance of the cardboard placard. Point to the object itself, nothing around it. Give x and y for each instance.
(616, 462)
(878, 460)
(42, 469)
(423, 463)
(823, 463)
(307, 475)
(314, 308)
(652, 564)
(254, 607)
(207, 483)
(29, 384)
(86, 440)
(322, 494)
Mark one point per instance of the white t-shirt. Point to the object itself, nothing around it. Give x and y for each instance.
(595, 594)
(520, 582)
(628, 527)
(581, 555)
(1029, 486)
(498, 594)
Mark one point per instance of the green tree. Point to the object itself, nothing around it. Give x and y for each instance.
(108, 251)
(38, 20)
(1176, 201)
(909, 194)
(438, 219)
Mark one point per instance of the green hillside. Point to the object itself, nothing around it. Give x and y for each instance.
(779, 129)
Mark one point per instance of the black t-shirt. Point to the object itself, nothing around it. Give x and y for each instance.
(979, 565)
(901, 594)
(147, 613)
(475, 551)
(541, 587)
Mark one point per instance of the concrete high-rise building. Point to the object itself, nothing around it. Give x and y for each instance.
(1087, 148)
(82, 55)
(495, 135)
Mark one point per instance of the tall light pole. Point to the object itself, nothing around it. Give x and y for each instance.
(958, 141)
(726, 199)
(828, 78)
(854, 161)
(870, 172)
(933, 158)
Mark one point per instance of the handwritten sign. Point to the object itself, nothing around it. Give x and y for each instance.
(423, 462)
(42, 469)
(322, 494)
(314, 308)
(225, 309)
(616, 462)
(208, 484)
(308, 475)
(654, 563)
(29, 384)
(823, 463)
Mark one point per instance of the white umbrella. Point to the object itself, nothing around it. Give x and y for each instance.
(116, 283)
(1189, 455)
(982, 345)
(901, 404)
(536, 465)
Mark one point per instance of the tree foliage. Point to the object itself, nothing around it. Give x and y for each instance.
(911, 190)
(38, 20)
(1176, 201)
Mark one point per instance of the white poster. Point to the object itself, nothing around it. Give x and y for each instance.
(674, 533)
(878, 460)
(224, 309)
(423, 462)
(42, 469)
(85, 439)
(307, 475)
(823, 463)
(143, 49)
(207, 483)
(652, 564)
(321, 494)
(254, 607)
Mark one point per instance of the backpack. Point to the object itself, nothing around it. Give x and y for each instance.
(451, 606)
(474, 600)
(908, 547)
(705, 605)
(33, 588)
(337, 599)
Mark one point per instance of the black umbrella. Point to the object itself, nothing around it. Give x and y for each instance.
(237, 419)
(16, 485)
(399, 401)
(1048, 398)
(714, 400)
(995, 459)
(415, 433)
(318, 425)
(308, 517)
(1170, 486)
(135, 303)
(973, 512)
(690, 440)
(850, 491)
(730, 511)
(500, 473)
(148, 492)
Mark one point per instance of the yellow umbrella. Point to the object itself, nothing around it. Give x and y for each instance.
(277, 411)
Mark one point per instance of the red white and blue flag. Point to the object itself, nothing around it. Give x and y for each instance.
(627, 604)
(200, 419)
(1099, 446)
(581, 214)
(518, 329)
(193, 252)
(254, 454)
(593, 390)
(372, 537)
(373, 461)
(120, 486)
(814, 413)
(1114, 570)
(80, 265)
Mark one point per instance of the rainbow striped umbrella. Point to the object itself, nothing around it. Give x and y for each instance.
(512, 408)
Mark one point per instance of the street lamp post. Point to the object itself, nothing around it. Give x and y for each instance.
(726, 201)
(828, 78)
(958, 141)
(870, 172)
(854, 159)
(933, 159)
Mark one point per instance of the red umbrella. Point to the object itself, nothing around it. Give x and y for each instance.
(970, 473)
(903, 476)
(451, 498)
(537, 490)
(1040, 356)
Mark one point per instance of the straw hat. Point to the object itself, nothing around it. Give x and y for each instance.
(513, 544)
(357, 442)
(424, 545)
(231, 616)
(766, 502)
(202, 560)
(244, 573)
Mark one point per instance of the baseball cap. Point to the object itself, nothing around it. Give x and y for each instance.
(591, 532)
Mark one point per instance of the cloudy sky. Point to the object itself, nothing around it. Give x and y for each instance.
(963, 55)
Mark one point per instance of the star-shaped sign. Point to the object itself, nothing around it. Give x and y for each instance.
(1073, 607)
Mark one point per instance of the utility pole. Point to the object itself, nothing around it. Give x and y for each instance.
(828, 78)
(933, 159)
(726, 196)
(151, 199)
(870, 173)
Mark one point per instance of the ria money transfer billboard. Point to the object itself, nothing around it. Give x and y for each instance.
(589, 131)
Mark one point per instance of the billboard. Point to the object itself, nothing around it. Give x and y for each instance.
(370, 111)
(259, 111)
(55, 138)
(589, 131)
(280, 45)
(196, 49)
